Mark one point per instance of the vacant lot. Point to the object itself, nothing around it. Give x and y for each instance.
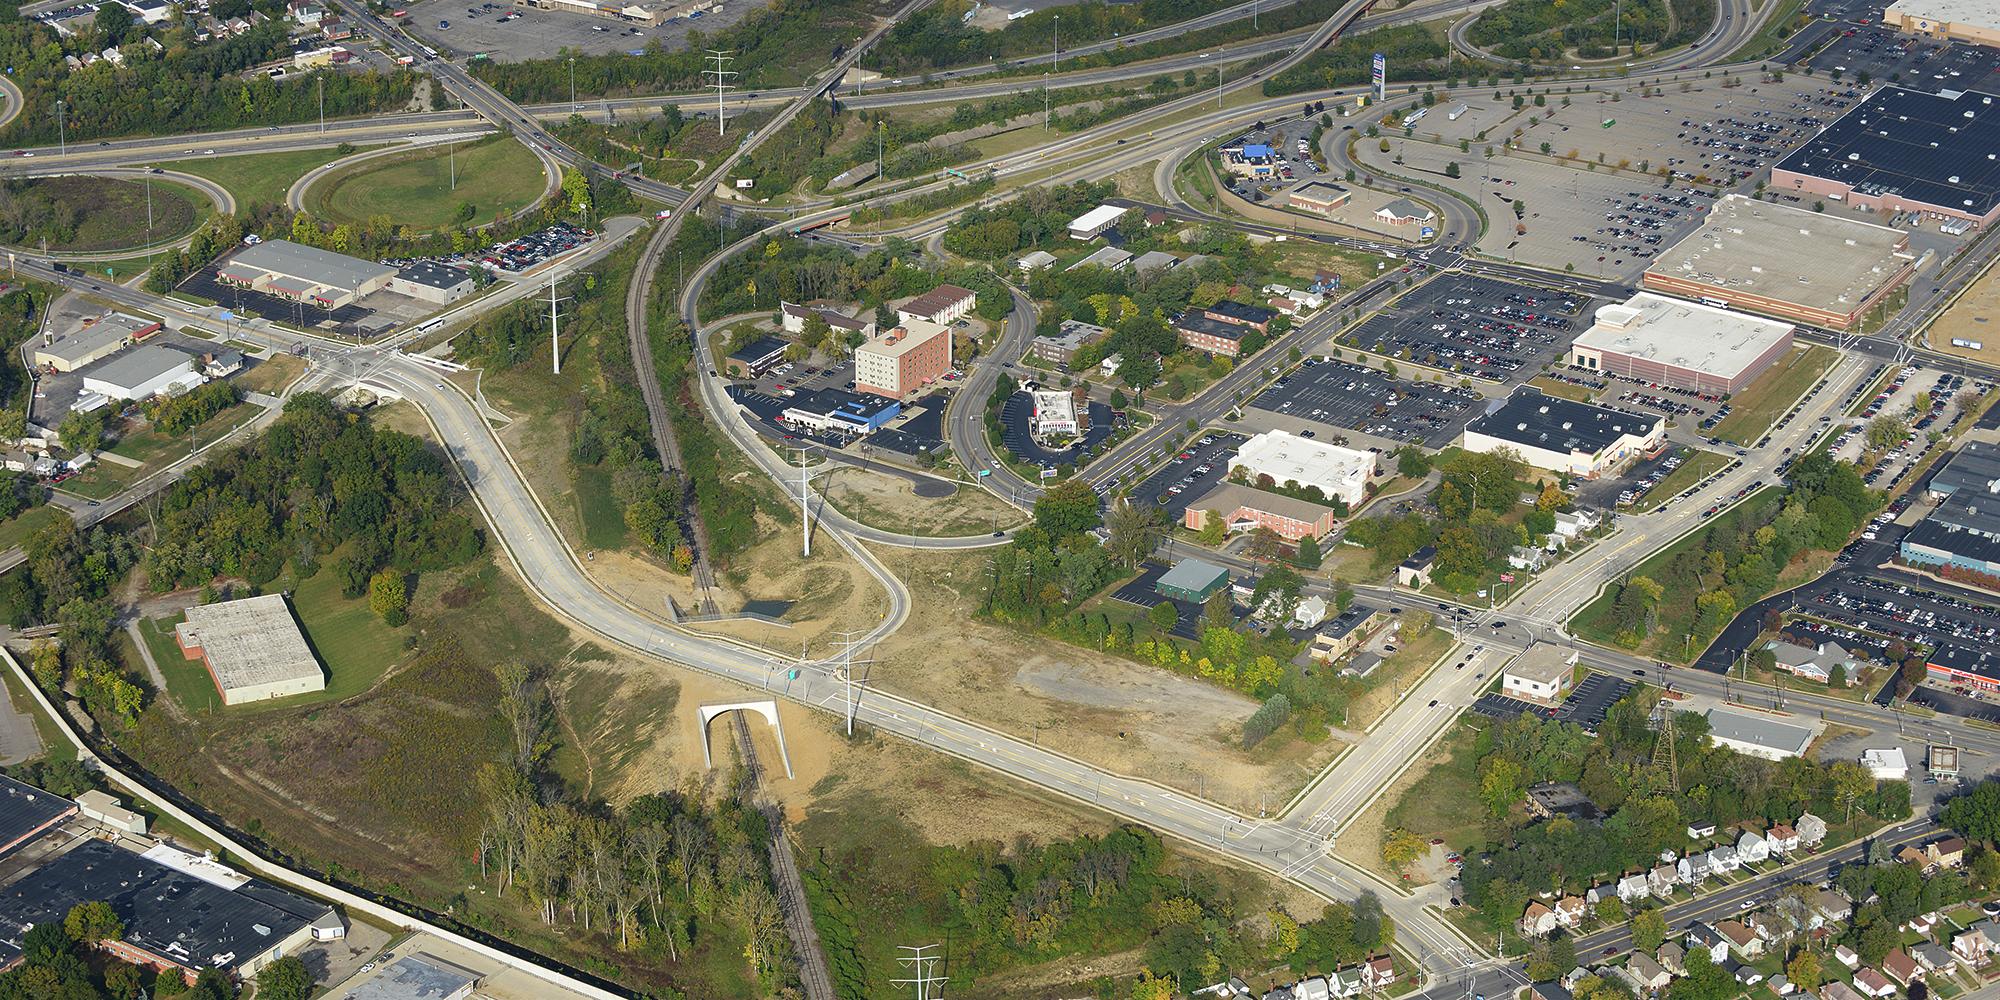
(1125, 716)
(1970, 319)
(111, 213)
(432, 187)
(260, 178)
(889, 502)
(1436, 797)
(153, 451)
(272, 374)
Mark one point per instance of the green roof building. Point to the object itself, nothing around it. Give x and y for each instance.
(1192, 580)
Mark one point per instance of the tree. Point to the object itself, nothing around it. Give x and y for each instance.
(1066, 509)
(89, 922)
(285, 979)
(1411, 461)
(80, 430)
(1804, 969)
(1308, 555)
(1649, 930)
(1851, 782)
(389, 597)
(576, 190)
(113, 24)
(1451, 169)
(1976, 814)
(1133, 532)
(1163, 615)
(1402, 847)
(1264, 547)
(1886, 432)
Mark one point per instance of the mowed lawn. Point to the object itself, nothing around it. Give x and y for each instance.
(1755, 409)
(496, 176)
(260, 178)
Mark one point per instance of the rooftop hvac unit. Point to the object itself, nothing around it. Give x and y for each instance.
(1566, 425)
(1954, 178)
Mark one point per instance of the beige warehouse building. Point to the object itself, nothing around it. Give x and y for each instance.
(253, 648)
(1973, 21)
(94, 339)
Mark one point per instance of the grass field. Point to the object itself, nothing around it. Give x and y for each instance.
(261, 178)
(603, 523)
(111, 212)
(272, 374)
(496, 176)
(16, 530)
(1695, 467)
(187, 680)
(1753, 410)
(1770, 40)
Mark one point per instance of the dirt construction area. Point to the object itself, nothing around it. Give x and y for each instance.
(1970, 321)
(1117, 714)
(890, 502)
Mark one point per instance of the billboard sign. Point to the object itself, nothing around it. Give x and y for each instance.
(1381, 76)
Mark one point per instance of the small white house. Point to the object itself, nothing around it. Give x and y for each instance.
(1752, 848)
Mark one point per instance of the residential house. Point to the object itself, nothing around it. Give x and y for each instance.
(1742, 940)
(1346, 983)
(1700, 829)
(1948, 853)
(1379, 972)
(1832, 905)
(1900, 967)
(1599, 893)
(1538, 921)
(1922, 923)
(1780, 985)
(1704, 938)
(1837, 990)
(1802, 915)
(1970, 946)
(1662, 879)
(1812, 830)
(1783, 837)
(1933, 958)
(1570, 524)
(1874, 984)
(1769, 927)
(1723, 860)
(1746, 974)
(1847, 956)
(1917, 859)
(1694, 869)
(1555, 991)
(1527, 559)
(1815, 663)
(1570, 911)
(1647, 973)
(1752, 848)
(1633, 888)
(1573, 977)
(1315, 988)
(1673, 958)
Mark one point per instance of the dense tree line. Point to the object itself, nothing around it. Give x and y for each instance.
(773, 45)
(20, 320)
(196, 88)
(1525, 30)
(1463, 521)
(1648, 814)
(1413, 52)
(67, 581)
(176, 415)
(319, 483)
(1739, 556)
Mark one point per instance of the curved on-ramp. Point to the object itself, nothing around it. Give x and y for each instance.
(219, 196)
(295, 196)
(15, 100)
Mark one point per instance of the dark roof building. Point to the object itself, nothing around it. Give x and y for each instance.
(1906, 150)
(26, 812)
(1232, 311)
(173, 917)
(1963, 533)
(1975, 469)
(1551, 799)
(431, 281)
(1563, 435)
(756, 357)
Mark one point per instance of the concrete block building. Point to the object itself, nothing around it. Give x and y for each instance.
(1339, 473)
(1242, 508)
(430, 281)
(253, 649)
(1680, 343)
(94, 339)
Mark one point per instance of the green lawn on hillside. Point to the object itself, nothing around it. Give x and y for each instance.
(260, 178)
(415, 188)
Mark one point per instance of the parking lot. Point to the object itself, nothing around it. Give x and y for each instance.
(1476, 326)
(1189, 475)
(523, 252)
(1586, 706)
(1905, 60)
(1911, 385)
(543, 34)
(1140, 593)
(1020, 408)
(1343, 396)
(1584, 176)
(351, 320)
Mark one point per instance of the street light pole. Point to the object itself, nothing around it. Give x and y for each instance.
(321, 80)
(572, 83)
(62, 131)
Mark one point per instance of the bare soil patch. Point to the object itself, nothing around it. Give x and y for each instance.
(890, 502)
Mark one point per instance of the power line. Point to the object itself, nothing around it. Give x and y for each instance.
(921, 967)
(719, 79)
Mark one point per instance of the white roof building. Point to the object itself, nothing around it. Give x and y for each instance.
(1681, 343)
(1756, 735)
(1095, 222)
(253, 649)
(142, 373)
(1886, 765)
(1339, 473)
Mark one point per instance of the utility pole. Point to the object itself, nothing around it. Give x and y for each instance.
(1056, 56)
(805, 505)
(149, 207)
(721, 83)
(572, 83)
(1045, 102)
(555, 342)
(846, 673)
(62, 131)
(451, 159)
(920, 965)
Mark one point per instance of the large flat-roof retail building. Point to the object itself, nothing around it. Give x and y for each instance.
(1961, 534)
(1975, 469)
(304, 274)
(27, 812)
(1562, 435)
(903, 360)
(181, 913)
(1680, 343)
(253, 649)
(418, 977)
(1757, 736)
(1906, 151)
(1294, 462)
(94, 339)
(1973, 21)
(1791, 263)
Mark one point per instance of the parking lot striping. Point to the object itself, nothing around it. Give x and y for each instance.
(1345, 396)
(1473, 325)
(1179, 481)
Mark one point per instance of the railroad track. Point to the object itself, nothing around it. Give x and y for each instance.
(785, 878)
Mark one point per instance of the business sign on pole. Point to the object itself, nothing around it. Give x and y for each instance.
(1428, 232)
(1381, 77)
(1506, 578)
(1049, 473)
